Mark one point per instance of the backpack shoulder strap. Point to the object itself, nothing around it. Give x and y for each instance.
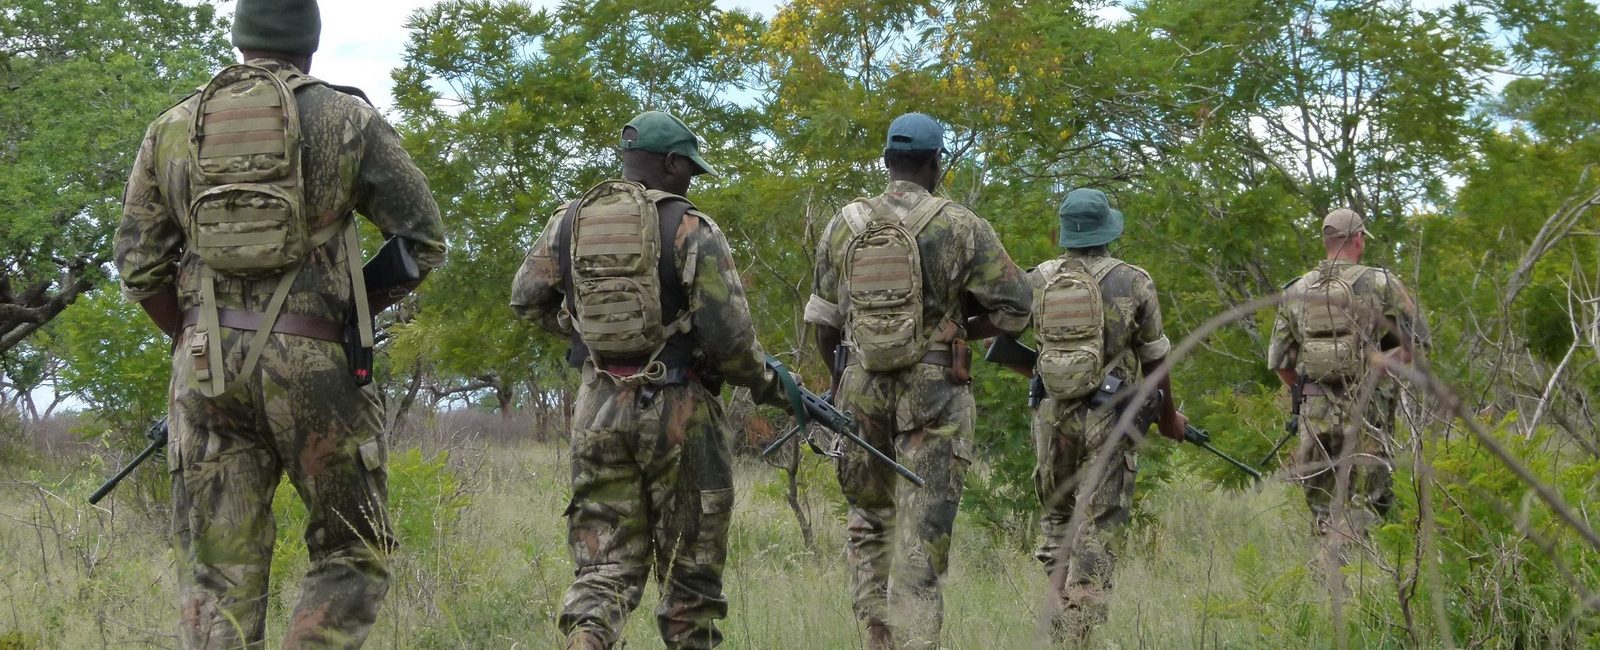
(563, 251)
(1103, 267)
(857, 214)
(671, 209)
(919, 216)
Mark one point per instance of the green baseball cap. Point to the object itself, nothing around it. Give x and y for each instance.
(1087, 219)
(664, 133)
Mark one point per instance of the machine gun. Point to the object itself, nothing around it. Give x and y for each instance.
(808, 406)
(157, 433)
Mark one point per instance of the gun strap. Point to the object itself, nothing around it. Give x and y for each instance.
(797, 401)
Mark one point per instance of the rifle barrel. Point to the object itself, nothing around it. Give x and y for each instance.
(111, 483)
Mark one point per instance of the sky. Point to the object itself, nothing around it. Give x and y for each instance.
(362, 40)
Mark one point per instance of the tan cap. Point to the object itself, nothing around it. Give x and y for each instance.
(1343, 222)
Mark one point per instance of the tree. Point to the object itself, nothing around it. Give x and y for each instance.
(81, 80)
(512, 110)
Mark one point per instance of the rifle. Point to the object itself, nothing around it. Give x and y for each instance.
(1291, 429)
(1202, 439)
(808, 406)
(157, 433)
(1191, 434)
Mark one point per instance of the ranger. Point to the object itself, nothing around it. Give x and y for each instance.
(646, 289)
(1097, 321)
(238, 238)
(903, 279)
(1334, 322)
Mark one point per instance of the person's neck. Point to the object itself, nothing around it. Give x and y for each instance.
(1345, 256)
(918, 179)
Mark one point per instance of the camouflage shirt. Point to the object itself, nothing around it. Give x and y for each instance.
(725, 337)
(1133, 332)
(966, 272)
(1379, 291)
(352, 160)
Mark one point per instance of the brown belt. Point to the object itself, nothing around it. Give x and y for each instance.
(307, 326)
(1320, 390)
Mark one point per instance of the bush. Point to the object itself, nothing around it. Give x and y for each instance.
(1511, 572)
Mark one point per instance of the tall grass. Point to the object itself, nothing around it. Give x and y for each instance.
(484, 564)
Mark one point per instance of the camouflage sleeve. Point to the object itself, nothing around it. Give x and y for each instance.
(149, 240)
(721, 316)
(393, 193)
(536, 293)
(1281, 347)
(823, 306)
(1150, 341)
(996, 283)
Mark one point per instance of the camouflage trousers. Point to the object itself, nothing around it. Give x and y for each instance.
(299, 413)
(652, 486)
(1080, 556)
(1340, 446)
(898, 547)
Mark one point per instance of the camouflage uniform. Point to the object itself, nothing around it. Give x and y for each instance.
(916, 415)
(1338, 433)
(300, 411)
(1069, 437)
(652, 479)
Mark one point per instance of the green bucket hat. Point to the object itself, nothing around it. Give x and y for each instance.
(292, 26)
(664, 133)
(1087, 219)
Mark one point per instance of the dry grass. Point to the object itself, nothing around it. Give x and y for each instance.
(76, 576)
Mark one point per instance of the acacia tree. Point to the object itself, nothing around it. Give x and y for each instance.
(81, 80)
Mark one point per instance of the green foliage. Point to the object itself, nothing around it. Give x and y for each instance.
(115, 360)
(83, 78)
(1526, 596)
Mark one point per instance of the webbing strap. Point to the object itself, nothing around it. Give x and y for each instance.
(209, 325)
(619, 307)
(259, 100)
(855, 215)
(258, 343)
(223, 239)
(238, 214)
(358, 282)
(211, 149)
(919, 216)
(274, 124)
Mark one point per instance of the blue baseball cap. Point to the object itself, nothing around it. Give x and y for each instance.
(915, 132)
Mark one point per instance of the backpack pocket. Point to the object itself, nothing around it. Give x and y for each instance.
(248, 230)
(1332, 360)
(618, 317)
(1069, 373)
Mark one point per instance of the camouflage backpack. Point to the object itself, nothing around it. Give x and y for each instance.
(614, 238)
(1070, 324)
(247, 219)
(1332, 327)
(883, 283)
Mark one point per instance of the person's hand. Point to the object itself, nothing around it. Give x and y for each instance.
(1172, 427)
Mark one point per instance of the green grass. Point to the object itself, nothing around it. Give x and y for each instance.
(1209, 569)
